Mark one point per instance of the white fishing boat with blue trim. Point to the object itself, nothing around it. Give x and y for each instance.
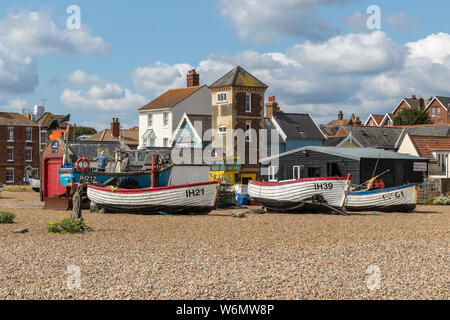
(397, 199)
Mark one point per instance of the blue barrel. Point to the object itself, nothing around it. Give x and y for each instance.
(242, 199)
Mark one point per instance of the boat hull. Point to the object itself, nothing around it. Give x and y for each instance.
(291, 195)
(196, 198)
(398, 199)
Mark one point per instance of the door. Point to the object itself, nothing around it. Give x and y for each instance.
(399, 172)
(51, 183)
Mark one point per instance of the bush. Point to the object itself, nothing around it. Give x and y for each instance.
(66, 225)
(442, 201)
(7, 216)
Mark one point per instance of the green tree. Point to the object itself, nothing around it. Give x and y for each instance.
(81, 131)
(412, 116)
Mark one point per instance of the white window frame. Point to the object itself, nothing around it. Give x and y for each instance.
(433, 112)
(272, 172)
(150, 120)
(145, 142)
(221, 97)
(438, 112)
(371, 123)
(43, 141)
(165, 119)
(10, 134)
(220, 131)
(13, 175)
(165, 142)
(7, 154)
(31, 154)
(297, 169)
(248, 132)
(29, 131)
(248, 102)
(151, 142)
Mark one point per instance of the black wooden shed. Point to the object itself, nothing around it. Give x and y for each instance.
(308, 162)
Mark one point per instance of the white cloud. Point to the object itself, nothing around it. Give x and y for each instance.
(100, 96)
(16, 105)
(365, 53)
(35, 33)
(81, 78)
(160, 77)
(17, 73)
(260, 21)
(435, 47)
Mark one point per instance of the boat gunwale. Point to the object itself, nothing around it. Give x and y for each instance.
(281, 183)
(145, 190)
(357, 193)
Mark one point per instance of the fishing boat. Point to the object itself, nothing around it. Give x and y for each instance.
(397, 199)
(289, 195)
(198, 198)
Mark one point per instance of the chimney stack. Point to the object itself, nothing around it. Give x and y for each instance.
(193, 79)
(340, 115)
(115, 128)
(421, 103)
(413, 97)
(272, 107)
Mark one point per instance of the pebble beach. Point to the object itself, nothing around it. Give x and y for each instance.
(217, 256)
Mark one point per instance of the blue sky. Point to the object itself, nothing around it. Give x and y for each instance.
(131, 51)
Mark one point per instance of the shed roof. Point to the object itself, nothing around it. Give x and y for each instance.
(170, 98)
(238, 77)
(350, 153)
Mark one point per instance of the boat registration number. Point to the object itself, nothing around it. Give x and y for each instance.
(195, 193)
(92, 179)
(323, 186)
(393, 195)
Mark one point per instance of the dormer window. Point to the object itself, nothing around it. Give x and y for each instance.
(300, 130)
(222, 97)
(222, 129)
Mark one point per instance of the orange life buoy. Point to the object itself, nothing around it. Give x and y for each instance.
(85, 164)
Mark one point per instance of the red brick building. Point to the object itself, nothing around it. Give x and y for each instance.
(19, 142)
(439, 110)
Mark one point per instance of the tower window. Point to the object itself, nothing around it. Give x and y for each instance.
(222, 97)
(248, 102)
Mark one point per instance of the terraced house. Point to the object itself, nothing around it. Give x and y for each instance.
(19, 142)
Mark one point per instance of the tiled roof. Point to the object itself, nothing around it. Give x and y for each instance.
(15, 119)
(333, 141)
(445, 101)
(238, 77)
(329, 130)
(414, 103)
(129, 137)
(298, 126)
(375, 137)
(170, 98)
(48, 118)
(377, 117)
(426, 144)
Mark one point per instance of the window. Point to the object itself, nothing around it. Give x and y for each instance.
(9, 175)
(29, 154)
(28, 174)
(222, 97)
(433, 112)
(152, 142)
(297, 172)
(150, 120)
(441, 160)
(390, 123)
(144, 142)
(10, 134)
(29, 134)
(43, 137)
(248, 132)
(371, 123)
(166, 119)
(299, 130)
(10, 154)
(273, 171)
(438, 112)
(222, 129)
(314, 172)
(165, 142)
(248, 102)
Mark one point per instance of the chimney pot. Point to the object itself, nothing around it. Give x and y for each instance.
(271, 107)
(115, 127)
(193, 78)
(413, 97)
(340, 115)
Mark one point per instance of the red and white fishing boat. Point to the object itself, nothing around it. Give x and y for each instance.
(198, 198)
(292, 194)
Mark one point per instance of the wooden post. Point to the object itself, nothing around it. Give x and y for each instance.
(348, 184)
